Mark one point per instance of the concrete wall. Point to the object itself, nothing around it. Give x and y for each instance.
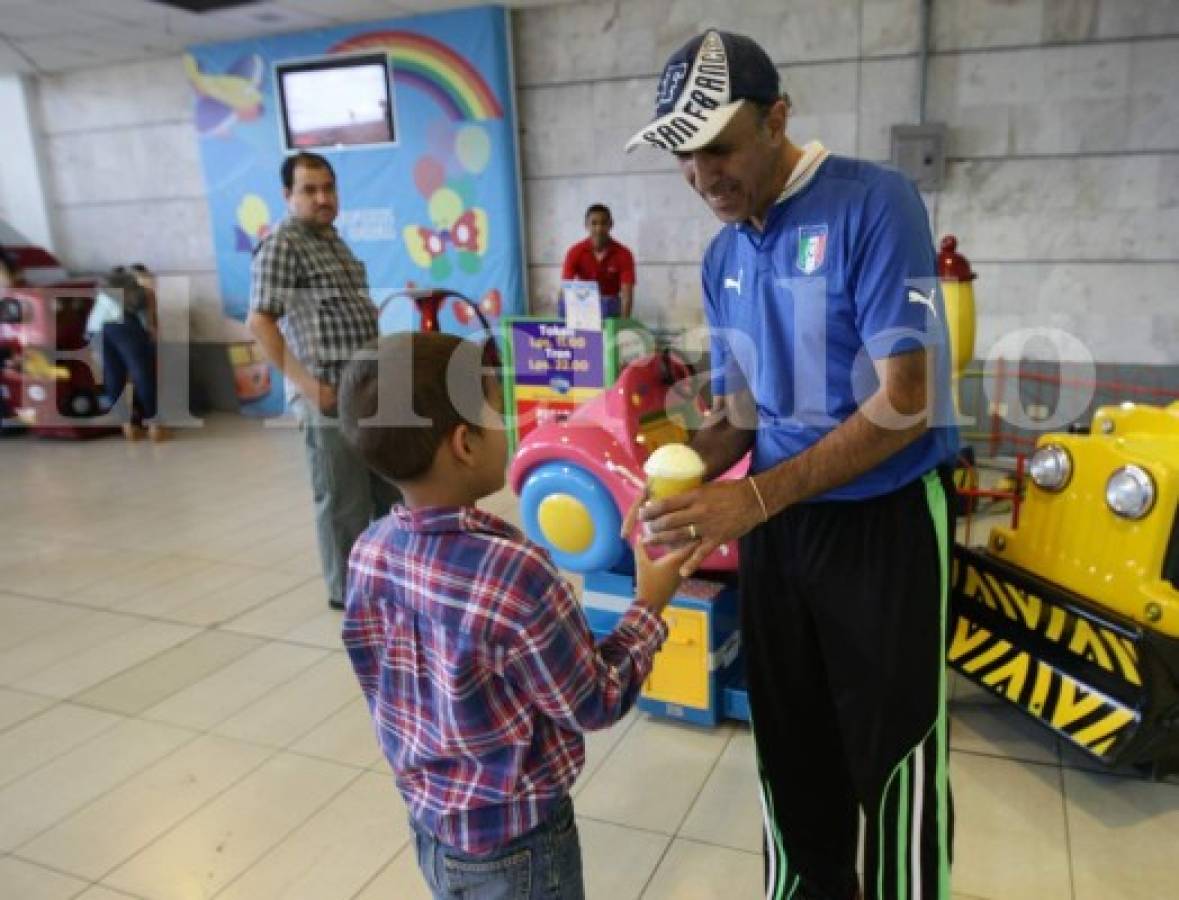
(124, 177)
(1063, 180)
(22, 176)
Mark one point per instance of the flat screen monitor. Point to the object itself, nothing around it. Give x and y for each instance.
(342, 101)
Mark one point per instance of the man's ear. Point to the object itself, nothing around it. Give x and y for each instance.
(286, 194)
(776, 118)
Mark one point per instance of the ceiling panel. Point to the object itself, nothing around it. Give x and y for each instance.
(11, 61)
(34, 20)
(70, 34)
(63, 54)
(424, 6)
(133, 12)
(349, 10)
(267, 18)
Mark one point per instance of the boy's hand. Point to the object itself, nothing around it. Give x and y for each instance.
(656, 580)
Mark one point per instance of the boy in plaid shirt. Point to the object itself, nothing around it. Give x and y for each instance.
(471, 650)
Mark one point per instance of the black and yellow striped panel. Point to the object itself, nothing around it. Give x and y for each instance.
(1095, 722)
(1103, 647)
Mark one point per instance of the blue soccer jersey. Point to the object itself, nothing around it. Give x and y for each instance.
(843, 274)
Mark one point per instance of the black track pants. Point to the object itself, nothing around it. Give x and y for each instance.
(843, 619)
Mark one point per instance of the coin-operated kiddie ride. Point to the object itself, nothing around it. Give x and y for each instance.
(576, 478)
(1073, 615)
(50, 382)
(1072, 612)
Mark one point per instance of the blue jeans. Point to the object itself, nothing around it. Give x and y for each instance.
(127, 350)
(544, 864)
(347, 495)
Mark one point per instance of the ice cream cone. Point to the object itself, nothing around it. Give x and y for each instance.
(673, 469)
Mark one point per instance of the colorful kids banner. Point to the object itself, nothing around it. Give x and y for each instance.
(433, 203)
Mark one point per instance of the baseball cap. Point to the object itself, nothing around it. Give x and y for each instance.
(703, 85)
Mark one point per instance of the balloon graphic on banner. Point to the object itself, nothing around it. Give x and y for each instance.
(473, 148)
(456, 223)
(440, 142)
(428, 175)
(253, 223)
(445, 207)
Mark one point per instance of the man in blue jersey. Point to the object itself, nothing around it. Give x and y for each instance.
(829, 364)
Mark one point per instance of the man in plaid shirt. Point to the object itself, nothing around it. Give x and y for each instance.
(310, 310)
(473, 653)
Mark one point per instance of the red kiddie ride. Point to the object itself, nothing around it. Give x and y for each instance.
(48, 380)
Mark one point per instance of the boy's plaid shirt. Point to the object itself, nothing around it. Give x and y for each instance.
(480, 670)
(307, 278)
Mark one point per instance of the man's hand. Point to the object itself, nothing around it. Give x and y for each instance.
(655, 580)
(321, 395)
(703, 518)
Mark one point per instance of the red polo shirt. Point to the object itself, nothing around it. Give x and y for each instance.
(611, 272)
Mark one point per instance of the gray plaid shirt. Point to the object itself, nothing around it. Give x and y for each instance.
(308, 279)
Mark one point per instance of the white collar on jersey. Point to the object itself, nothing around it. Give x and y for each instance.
(813, 155)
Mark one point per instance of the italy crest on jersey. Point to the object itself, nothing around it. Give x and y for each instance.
(812, 248)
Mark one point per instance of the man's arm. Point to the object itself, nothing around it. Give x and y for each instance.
(569, 266)
(152, 307)
(888, 421)
(274, 282)
(568, 270)
(265, 328)
(627, 276)
(727, 433)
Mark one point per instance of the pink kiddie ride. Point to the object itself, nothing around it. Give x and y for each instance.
(577, 478)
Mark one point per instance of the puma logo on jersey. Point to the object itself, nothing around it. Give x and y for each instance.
(732, 283)
(915, 296)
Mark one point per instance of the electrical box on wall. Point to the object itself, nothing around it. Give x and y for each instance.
(920, 152)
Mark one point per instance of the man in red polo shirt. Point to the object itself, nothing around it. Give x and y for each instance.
(602, 259)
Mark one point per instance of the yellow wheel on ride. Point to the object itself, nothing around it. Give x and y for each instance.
(565, 523)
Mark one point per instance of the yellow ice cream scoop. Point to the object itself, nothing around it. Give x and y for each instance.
(673, 469)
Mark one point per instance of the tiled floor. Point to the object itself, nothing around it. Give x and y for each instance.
(177, 719)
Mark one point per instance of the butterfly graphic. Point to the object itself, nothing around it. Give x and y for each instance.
(491, 305)
(465, 233)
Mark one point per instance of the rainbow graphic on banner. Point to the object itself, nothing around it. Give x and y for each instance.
(433, 67)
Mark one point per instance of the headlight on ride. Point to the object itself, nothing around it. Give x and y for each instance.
(1130, 492)
(1051, 467)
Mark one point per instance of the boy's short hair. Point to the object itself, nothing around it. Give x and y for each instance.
(443, 375)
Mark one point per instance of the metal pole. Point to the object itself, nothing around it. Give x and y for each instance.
(926, 19)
